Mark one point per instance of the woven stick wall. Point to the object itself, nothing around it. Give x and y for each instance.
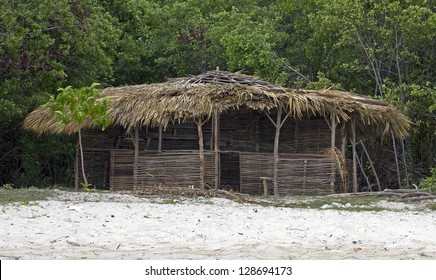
(121, 170)
(298, 173)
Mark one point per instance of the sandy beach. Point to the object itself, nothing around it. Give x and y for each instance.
(122, 226)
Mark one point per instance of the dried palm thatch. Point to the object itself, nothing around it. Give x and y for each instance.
(220, 91)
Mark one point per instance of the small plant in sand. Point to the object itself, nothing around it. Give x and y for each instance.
(8, 187)
(432, 206)
(86, 187)
(429, 183)
(172, 201)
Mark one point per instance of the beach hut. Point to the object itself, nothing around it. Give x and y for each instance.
(228, 130)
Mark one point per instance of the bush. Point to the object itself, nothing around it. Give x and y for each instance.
(429, 183)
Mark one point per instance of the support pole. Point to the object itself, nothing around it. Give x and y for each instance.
(212, 133)
(278, 125)
(353, 145)
(344, 140)
(216, 125)
(360, 163)
(77, 167)
(372, 166)
(276, 151)
(136, 158)
(405, 163)
(85, 180)
(396, 159)
(333, 146)
(159, 144)
(201, 150)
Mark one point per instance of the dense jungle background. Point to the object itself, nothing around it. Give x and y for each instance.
(382, 48)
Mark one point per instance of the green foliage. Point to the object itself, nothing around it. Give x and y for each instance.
(172, 201)
(323, 83)
(27, 196)
(86, 187)
(432, 206)
(8, 186)
(79, 105)
(429, 183)
(44, 45)
(47, 160)
(383, 48)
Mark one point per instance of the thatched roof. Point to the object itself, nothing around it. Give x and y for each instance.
(187, 98)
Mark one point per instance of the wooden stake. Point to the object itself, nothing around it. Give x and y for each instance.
(276, 151)
(201, 150)
(81, 158)
(212, 133)
(405, 163)
(278, 125)
(136, 158)
(396, 159)
(344, 140)
(216, 125)
(372, 166)
(333, 145)
(360, 163)
(159, 145)
(353, 145)
(77, 179)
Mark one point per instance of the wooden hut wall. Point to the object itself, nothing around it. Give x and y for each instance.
(97, 164)
(178, 169)
(181, 168)
(97, 146)
(121, 170)
(297, 173)
(297, 136)
(183, 136)
(241, 131)
(253, 166)
(305, 174)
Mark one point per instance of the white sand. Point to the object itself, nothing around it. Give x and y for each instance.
(117, 226)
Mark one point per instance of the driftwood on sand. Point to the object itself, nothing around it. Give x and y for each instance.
(397, 195)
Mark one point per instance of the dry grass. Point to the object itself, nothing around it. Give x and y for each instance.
(188, 98)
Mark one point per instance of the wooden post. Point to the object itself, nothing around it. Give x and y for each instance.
(201, 150)
(344, 140)
(333, 146)
(276, 151)
(159, 144)
(372, 166)
(353, 145)
(216, 125)
(405, 163)
(136, 158)
(396, 159)
(278, 125)
(360, 163)
(212, 133)
(81, 158)
(77, 167)
(265, 186)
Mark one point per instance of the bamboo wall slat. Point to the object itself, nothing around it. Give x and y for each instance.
(298, 174)
(121, 174)
(170, 169)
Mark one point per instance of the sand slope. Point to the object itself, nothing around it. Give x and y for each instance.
(120, 226)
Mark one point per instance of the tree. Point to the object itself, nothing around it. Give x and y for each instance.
(45, 45)
(79, 106)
